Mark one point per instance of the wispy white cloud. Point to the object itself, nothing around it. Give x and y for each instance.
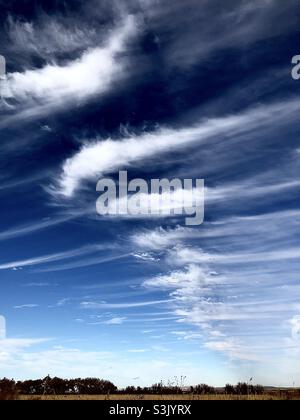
(38, 91)
(47, 36)
(115, 321)
(233, 349)
(187, 335)
(40, 284)
(159, 238)
(92, 74)
(277, 224)
(100, 157)
(188, 284)
(63, 302)
(251, 188)
(182, 256)
(145, 256)
(295, 327)
(235, 26)
(11, 345)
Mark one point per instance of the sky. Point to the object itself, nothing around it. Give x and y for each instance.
(161, 89)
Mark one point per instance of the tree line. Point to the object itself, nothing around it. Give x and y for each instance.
(202, 389)
(9, 389)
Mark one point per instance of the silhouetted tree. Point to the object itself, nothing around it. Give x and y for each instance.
(204, 389)
(57, 386)
(229, 389)
(130, 390)
(8, 390)
(30, 387)
(94, 386)
(242, 389)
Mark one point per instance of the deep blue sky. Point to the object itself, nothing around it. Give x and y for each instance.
(193, 89)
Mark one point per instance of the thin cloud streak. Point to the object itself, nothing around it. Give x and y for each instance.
(53, 257)
(95, 305)
(84, 263)
(34, 227)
